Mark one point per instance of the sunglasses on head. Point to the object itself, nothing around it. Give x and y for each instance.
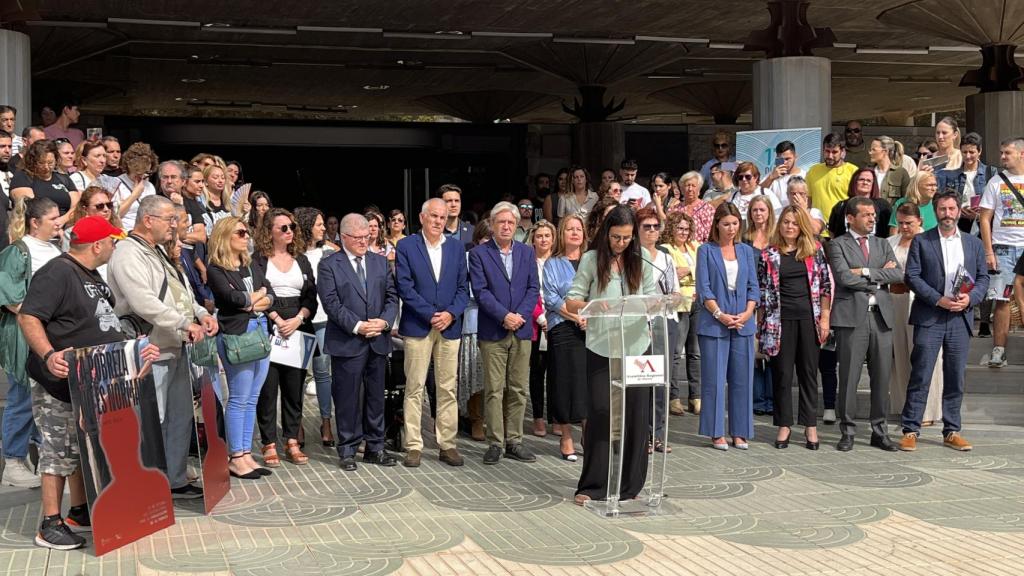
(286, 228)
(526, 206)
(59, 141)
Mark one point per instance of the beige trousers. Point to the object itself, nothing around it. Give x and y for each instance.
(506, 377)
(418, 354)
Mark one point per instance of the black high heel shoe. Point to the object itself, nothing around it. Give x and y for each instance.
(327, 434)
(781, 444)
(812, 445)
(259, 470)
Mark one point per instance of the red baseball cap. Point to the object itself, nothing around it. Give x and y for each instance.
(93, 229)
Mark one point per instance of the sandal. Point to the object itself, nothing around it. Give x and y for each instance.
(294, 454)
(660, 446)
(270, 457)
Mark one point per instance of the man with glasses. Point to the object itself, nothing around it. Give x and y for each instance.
(721, 151)
(358, 295)
(525, 219)
(172, 177)
(856, 151)
(505, 281)
(722, 184)
(149, 286)
(829, 181)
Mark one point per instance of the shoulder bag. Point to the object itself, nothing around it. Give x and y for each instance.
(246, 347)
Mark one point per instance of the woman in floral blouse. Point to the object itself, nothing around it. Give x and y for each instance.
(793, 321)
(700, 211)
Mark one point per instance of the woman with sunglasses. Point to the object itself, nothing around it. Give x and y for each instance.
(728, 293)
(95, 201)
(242, 295)
(280, 258)
(747, 180)
(678, 240)
(567, 362)
(396, 227)
(613, 268)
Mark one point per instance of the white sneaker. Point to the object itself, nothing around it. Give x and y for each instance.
(17, 474)
(311, 388)
(829, 417)
(998, 358)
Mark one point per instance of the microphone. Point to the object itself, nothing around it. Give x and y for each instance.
(662, 279)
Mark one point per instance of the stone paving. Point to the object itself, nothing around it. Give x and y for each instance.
(763, 511)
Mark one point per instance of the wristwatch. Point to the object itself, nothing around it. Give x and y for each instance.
(717, 314)
(48, 354)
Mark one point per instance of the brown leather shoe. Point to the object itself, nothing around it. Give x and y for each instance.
(909, 442)
(955, 441)
(412, 459)
(676, 408)
(450, 457)
(477, 432)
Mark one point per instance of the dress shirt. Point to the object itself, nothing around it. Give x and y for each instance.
(952, 259)
(355, 268)
(434, 252)
(506, 259)
(865, 271)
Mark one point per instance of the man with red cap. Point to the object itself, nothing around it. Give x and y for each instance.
(68, 306)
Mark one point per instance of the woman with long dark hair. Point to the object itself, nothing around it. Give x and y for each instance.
(612, 269)
(864, 182)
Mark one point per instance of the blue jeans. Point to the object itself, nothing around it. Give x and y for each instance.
(244, 384)
(322, 373)
(18, 427)
(763, 394)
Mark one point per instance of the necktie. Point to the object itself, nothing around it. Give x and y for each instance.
(360, 272)
(864, 247)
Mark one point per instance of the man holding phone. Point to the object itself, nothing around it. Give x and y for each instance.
(785, 168)
(633, 195)
(1002, 232)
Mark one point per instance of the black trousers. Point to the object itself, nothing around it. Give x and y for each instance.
(594, 476)
(567, 374)
(290, 382)
(538, 369)
(798, 354)
(358, 391)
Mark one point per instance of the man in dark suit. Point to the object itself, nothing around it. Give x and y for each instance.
(862, 316)
(358, 294)
(941, 265)
(430, 271)
(504, 277)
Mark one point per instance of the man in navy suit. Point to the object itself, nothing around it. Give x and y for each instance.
(358, 293)
(943, 317)
(504, 277)
(430, 271)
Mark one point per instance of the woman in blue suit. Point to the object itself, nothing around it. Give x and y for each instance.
(728, 293)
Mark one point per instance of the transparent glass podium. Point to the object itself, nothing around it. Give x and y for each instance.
(632, 332)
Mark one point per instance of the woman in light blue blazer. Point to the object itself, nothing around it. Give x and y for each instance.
(728, 293)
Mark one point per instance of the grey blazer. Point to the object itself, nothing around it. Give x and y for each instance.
(850, 293)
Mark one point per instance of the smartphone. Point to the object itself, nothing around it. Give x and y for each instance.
(936, 162)
(780, 161)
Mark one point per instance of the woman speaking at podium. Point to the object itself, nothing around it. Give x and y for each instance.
(612, 269)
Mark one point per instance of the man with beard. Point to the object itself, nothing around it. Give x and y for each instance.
(6, 140)
(856, 151)
(947, 272)
(829, 181)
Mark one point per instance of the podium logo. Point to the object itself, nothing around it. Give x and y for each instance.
(644, 370)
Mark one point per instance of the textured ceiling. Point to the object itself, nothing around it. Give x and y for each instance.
(278, 70)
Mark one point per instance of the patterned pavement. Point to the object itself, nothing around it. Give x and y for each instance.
(764, 511)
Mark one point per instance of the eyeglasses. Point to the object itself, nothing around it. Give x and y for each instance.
(168, 219)
(526, 206)
(682, 228)
(243, 233)
(620, 239)
(398, 220)
(865, 181)
(103, 206)
(286, 228)
(650, 227)
(362, 238)
(721, 145)
(745, 177)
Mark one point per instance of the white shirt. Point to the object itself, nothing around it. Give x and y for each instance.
(1008, 214)
(732, 272)
(969, 186)
(123, 192)
(435, 252)
(315, 255)
(286, 284)
(635, 191)
(741, 202)
(39, 252)
(17, 143)
(355, 268)
(865, 271)
(780, 187)
(952, 259)
(5, 184)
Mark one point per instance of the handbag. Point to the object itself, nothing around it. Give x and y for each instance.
(204, 353)
(247, 347)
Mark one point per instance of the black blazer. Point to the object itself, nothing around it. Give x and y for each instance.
(307, 297)
(837, 219)
(232, 297)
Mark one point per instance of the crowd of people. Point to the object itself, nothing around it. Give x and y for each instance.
(871, 256)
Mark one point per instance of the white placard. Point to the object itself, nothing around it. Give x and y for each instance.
(644, 370)
(295, 351)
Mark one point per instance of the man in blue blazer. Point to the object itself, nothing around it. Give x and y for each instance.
(430, 271)
(943, 317)
(358, 293)
(505, 281)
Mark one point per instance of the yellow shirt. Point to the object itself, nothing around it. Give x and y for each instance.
(829, 186)
(687, 285)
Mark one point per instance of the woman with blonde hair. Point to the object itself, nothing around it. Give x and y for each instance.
(138, 162)
(91, 160)
(218, 195)
(543, 237)
(920, 193)
(793, 322)
(242, 295)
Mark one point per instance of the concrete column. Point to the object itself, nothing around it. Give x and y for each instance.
(793, 92)
(996, 116)
(598, 145)
(16, 74)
